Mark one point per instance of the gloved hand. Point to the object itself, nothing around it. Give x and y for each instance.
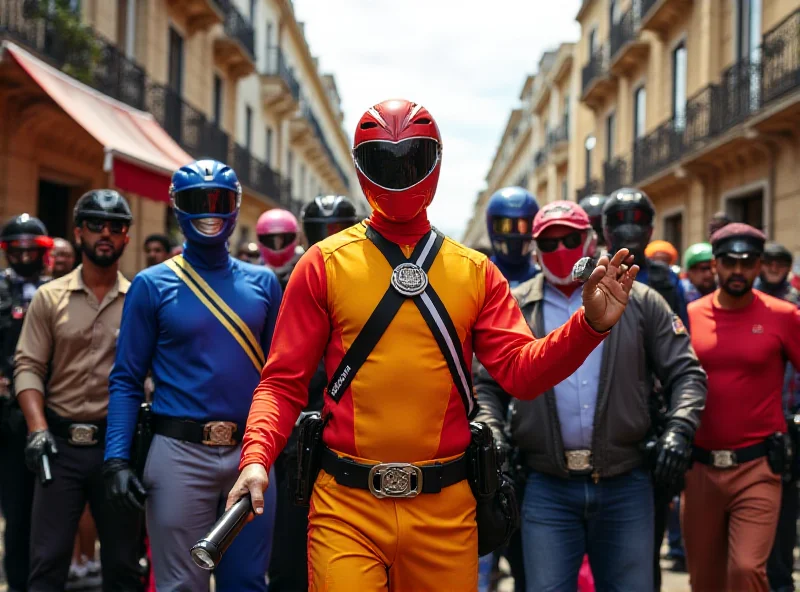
(673, 455)
(123, 488)
(39, 443)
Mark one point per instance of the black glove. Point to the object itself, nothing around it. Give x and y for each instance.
(39, 443)
(673, 456)
(123, 488)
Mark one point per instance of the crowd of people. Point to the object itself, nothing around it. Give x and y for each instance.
(136, 410)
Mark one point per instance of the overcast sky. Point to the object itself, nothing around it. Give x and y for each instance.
(464, 60)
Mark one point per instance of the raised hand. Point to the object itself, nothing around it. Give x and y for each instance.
(605, 293)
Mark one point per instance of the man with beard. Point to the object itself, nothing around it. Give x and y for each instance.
(743, 338)
(203, 323)
(63, 255)
(698, 260)
(156, 249)
(63, 360)
(588, 489)
(25, 243)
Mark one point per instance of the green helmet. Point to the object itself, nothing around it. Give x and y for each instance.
(697, 253)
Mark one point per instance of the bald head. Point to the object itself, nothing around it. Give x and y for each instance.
(63, 257)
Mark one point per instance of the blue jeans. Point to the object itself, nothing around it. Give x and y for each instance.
(611, 520)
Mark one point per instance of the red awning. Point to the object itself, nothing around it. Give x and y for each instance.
(140, 153)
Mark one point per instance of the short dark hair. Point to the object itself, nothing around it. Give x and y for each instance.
(159, 238)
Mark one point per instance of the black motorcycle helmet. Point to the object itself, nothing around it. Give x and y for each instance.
(593, 206)
(628, 217)
(103, 204)
(327, 215)
(25, 242)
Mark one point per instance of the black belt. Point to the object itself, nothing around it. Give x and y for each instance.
(394, 479)
(211, 433)
(77, 433)
(725, 459)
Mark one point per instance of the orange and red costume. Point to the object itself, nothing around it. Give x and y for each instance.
(402, 405)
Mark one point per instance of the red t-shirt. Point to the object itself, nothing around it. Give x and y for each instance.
(744, 353)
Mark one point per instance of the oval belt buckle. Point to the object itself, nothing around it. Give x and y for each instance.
(409, 279)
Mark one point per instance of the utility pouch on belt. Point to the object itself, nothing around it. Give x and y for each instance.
(779, 453)
(142, 438)
(497, 511)
(309, 454)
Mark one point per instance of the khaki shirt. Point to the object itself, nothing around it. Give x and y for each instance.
(67, 346)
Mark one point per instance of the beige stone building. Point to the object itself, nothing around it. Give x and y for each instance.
(698, 104)
(159, 85)
(535, 150)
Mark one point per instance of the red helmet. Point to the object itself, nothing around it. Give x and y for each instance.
(398, 154)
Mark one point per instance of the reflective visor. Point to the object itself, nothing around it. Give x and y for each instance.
(207, 201)
(630, 217)
(502, 225)
(277, 241)
(397, 166)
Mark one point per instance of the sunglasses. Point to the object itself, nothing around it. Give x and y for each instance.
(572, 240)
(731, 262)
(114, 226)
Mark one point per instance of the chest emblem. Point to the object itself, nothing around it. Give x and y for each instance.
(758, 329)
(409, 279)
(677, 326)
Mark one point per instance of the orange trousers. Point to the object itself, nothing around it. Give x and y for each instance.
(728, 518)
(359, 542)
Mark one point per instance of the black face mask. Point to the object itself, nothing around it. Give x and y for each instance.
(633, 237)
(29, 269)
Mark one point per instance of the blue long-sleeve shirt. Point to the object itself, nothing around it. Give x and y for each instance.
(199, 370)
(576, 397)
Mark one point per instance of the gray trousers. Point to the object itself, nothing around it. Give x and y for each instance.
(187, 486)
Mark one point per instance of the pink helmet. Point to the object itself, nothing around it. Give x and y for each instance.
(277, 236)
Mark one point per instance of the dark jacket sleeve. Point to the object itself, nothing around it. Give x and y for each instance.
(493, 402)
(674, 362)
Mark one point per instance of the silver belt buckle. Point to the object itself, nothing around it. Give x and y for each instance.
(219, 433)
(579, 460)
(723, 459)
(82, 434)
(395, 480)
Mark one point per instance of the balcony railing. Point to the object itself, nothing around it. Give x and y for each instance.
(780, 58)
(595, 68)
(590, 188)
(539, 158)
(238, 27)
(316, 128)
(646, 5)
(625, 30)
(616, 174)
(277, 66)
(557, 135)
(84, 54)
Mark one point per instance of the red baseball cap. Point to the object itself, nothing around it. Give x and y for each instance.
(561, 213)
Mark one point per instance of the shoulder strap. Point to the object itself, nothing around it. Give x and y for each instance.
(217, 306)
(429, 305)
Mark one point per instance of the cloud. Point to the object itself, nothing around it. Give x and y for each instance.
(466, 61)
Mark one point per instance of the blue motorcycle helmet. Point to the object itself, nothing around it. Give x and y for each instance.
(206, 196)
(509, 219)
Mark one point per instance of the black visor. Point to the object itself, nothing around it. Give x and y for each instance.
(397, 166)
(207, 201)
(631, 216)
(503, 225)
(277, 241)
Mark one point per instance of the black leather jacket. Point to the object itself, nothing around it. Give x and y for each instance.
(647, 343)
